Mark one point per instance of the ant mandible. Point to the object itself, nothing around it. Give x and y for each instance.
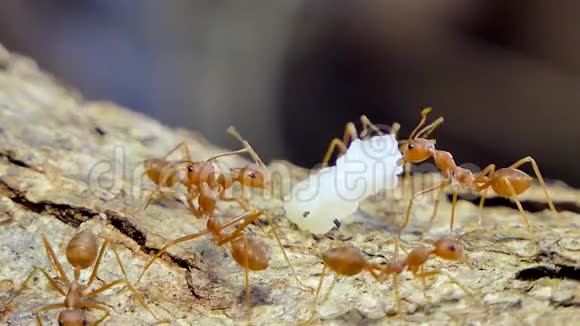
(81, 253)
(506, 182)
(249, 252)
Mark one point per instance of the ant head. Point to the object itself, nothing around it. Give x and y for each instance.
(418, 150)
(81, 250)
(199, 172)
(449, 249)
(72, 317)
(254, 177)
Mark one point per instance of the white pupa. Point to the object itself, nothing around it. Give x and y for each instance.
(334, 193)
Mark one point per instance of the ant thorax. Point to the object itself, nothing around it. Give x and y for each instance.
(462, 179)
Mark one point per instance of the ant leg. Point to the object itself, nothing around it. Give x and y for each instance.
(317, 292)
(368, 125)
(489, 171)
(408, 215)
(247, 284)
(453, 206)
(395, 128)
(47, 308)
(277, 237)
(246, 206)
(129, 286)
(29, 277)
(451, 278)
(435, 208)
(103, 288)
(331, 148)
(167, 246)
(514, 197)
(248, 217)
(397, 295)
(407, 177)
(54, 260)
(530, 160)
(330, 288)
(350, 134)
(97, 263)
(92, 305)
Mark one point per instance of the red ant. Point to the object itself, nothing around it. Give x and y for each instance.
(199, 177)
(344, 261)
(507, 182)
(349, 261)
(249, 252)
(444, 248)
(202, 183)
(81, 253)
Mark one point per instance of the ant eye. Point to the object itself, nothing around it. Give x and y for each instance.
(411, 146)
(190, 168)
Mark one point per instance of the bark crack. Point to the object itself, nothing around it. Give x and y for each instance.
(75, 216)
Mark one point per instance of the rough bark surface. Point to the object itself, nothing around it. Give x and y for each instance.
(68, 164)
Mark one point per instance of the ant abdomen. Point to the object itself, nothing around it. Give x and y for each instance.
(72, 317)
(520, 181)
(153, 168)
(82, 249)
(345, 260)
(250, 253)
(417, 257)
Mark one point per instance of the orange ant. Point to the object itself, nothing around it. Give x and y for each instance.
(349, 261)
(506, 182)
(344, 261)
(203, 184)
(81, 253)
(199, 177)
(444, 248)
(201, 181)
(249, 252)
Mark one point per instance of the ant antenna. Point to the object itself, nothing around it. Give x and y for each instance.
(425, 132)
(424, 113)
(248, 148)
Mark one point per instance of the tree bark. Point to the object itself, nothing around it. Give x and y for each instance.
(68, 164)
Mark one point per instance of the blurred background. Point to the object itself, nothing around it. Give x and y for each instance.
(290, 74)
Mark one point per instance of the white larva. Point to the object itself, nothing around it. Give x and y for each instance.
(334, 193)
